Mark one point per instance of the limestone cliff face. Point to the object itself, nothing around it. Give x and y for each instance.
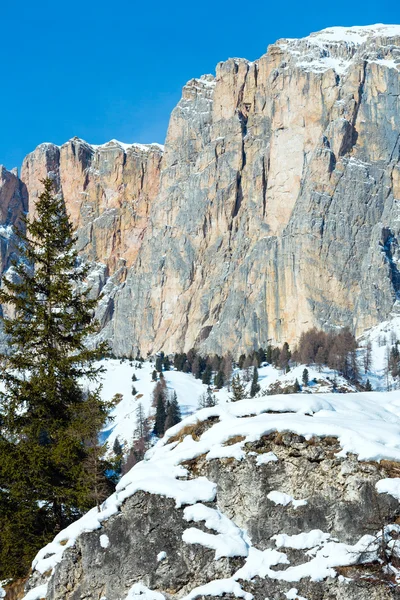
(108, 191)
(274, 208)
(13, 203)
(278, 205)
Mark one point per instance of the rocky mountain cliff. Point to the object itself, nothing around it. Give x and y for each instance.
(274, 207)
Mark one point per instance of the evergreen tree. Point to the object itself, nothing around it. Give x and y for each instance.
(207, 374)
(255, 386)
(173, 412)
(166, 363)
(207, 399)
(159, 363)
(284, 357)
(238, 390)
(368, 386)
(305, 378)
(154, 375)
(242, 358)
(296, 387)
(46, 436)
(118, 455)
(159, 425)
(134, 378)
(219, 380)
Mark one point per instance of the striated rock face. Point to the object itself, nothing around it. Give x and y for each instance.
(108, 191)
(274, 208)
(13, 203)
(278, 204)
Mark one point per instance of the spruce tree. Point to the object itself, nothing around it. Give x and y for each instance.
(159, 425)
(255, 386)
(207, 399)
(305, 378)
(238, 390)
(159, 362)
(46, 436)
(219, 380)
(207, 374)
(296, 387)
(173, 412)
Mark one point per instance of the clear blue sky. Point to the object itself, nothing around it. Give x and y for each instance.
(103, 70)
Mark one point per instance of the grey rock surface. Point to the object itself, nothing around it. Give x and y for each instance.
(341, 500)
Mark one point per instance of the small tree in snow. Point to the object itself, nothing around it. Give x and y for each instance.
(238, 390)
(207, 399)
(255, 386)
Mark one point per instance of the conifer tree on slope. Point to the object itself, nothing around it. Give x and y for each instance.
(45, 419)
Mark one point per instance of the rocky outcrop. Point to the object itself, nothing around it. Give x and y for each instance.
(236, 502)
(273, 209)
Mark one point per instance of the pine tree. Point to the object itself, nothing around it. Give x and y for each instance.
(296, 387)
(238, 391)
(173, 412)
(255, 386)
(159, 363)
(118, 455)
(154, 375)
(45, 438)
(207, 374)
(219, 380)
(368, 386)
(305, 378)
(161, 415)
(207, 399)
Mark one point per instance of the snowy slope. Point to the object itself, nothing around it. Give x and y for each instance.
(117, 379)
(382, 337)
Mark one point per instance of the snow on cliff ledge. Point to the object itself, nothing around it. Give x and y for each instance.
(366, 424)
(337, 47)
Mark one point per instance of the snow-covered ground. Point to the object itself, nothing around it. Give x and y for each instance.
(117, 379)
(382, 338)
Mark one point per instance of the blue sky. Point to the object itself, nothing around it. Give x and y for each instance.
(103, 70)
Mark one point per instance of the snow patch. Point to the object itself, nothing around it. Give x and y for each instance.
(229, 541)
(267, 457)
(285, 499)
(389, 486)
(140, 592)
(313, 538)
